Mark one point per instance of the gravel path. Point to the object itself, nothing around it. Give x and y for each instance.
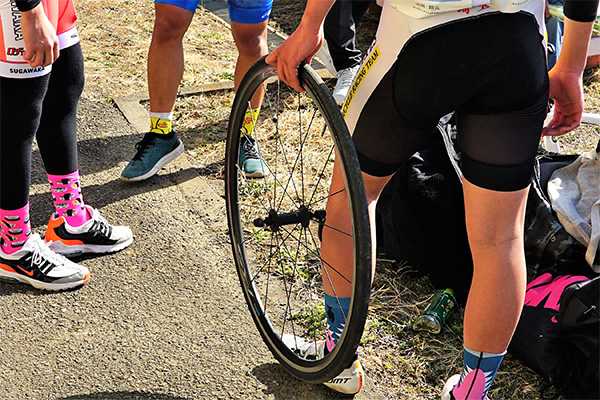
(163, 319)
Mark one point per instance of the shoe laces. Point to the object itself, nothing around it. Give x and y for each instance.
(101, 224)
(142, 145)
(41, 252)
(250, 149)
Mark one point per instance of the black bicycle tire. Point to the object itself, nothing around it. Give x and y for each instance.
(341, 356)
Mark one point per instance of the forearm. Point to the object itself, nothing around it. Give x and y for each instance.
(314, 14)
(579, 18)
(575, 45)
(565, 77)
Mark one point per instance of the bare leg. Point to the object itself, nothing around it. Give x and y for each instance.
(336, 248)
(251, 42)
(495, 227)
(165, 57)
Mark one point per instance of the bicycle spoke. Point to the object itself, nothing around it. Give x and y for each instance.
(275, 221)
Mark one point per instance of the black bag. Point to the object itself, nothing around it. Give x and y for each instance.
(555, 260)
(421, 218)
(537, 340)
(420, 221)
(579, 322)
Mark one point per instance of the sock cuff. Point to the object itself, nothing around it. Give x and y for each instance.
(254, 111)
(342, 303)
(249, 119)
(481, 354)
(72, 175)
(160, 125)
(23, 209)
(162, 115)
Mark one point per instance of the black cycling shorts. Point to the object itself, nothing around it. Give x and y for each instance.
(490, 68)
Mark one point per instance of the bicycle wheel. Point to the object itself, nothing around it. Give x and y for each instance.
(275, 221)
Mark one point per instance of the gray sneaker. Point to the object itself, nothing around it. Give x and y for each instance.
(154, 151)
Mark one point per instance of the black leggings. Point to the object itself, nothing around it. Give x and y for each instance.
(44, 107)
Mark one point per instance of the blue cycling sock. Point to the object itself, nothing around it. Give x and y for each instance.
(336, 309)
(478, 373)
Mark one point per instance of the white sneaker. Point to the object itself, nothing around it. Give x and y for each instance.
(94, 236)
(344, 82)
(350, 381)
(40, 267)
(450, 384)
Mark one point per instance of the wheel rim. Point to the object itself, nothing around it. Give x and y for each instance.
(275, 222)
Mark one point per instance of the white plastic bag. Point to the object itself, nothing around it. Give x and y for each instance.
(574, 192)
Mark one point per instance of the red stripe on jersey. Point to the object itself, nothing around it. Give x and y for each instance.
(61, 14)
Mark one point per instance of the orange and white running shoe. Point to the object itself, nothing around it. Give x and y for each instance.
(40, 267)
(94, 236)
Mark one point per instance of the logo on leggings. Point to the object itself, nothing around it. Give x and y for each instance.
(360, 76)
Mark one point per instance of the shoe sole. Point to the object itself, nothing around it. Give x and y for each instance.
(256, 174)
(338, 383)
(161, 163)
(80, 249)
(14, 277)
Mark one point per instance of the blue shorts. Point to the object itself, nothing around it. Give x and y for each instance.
(249, 11)
(242, 11)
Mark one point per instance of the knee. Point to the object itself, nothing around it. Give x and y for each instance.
(487, 234)
(168, 30)
(251, 44)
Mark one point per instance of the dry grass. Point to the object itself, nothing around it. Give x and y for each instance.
(414, 365)
(585, 137)
(116, 37)
(404, 364)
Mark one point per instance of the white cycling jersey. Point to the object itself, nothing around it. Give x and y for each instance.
(395, 30)
(427, 8)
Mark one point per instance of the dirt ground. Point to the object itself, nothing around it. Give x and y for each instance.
(115, 39)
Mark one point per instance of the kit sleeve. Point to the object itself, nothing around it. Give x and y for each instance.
(26, 5)
(581, 10)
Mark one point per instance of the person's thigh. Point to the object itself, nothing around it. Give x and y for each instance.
(248, 34)
(171, 22)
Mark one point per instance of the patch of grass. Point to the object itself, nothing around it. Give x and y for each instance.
(227, 76)
(313, 320)
(253, 187)
(260, 234)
